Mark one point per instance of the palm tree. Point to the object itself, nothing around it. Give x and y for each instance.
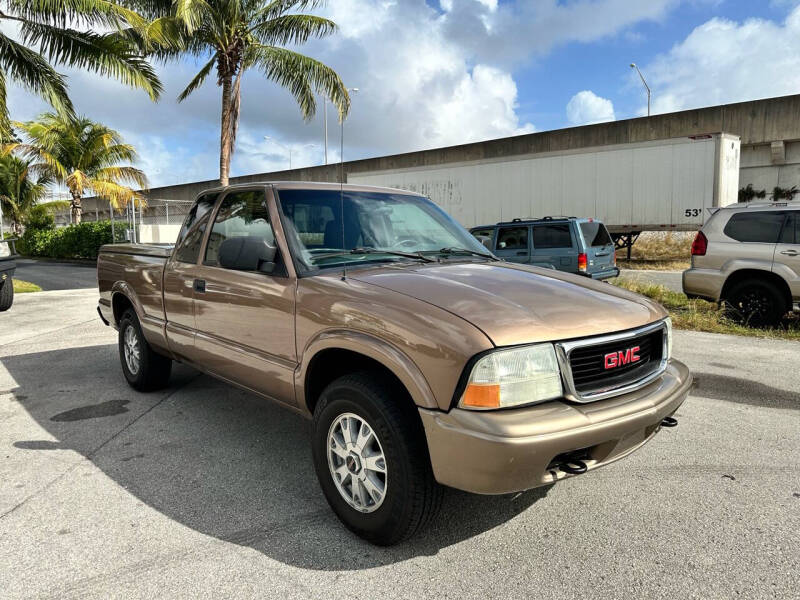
(19, 193)
(81, 155)
(235, 36)
(47, 38)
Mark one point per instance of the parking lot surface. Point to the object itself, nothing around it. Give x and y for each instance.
(203, 491)
(52, 275)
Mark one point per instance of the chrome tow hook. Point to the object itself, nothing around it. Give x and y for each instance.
(573, 467)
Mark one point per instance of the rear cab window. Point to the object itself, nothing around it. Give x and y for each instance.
(755, 227)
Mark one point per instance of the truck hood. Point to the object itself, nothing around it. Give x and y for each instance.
(517, 304)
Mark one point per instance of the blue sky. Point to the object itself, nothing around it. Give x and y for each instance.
(443, 72)
(547, 84)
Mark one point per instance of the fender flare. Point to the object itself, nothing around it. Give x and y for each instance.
(372, 347)
(125, 289)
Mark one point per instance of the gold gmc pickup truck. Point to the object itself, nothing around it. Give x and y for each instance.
(422, 359)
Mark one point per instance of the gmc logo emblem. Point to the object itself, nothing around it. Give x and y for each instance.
(613, 360)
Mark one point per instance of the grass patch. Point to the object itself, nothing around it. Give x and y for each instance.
(25, 287)
(655, 265)
(699, 315)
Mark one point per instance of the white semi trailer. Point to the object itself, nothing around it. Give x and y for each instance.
(664, 185)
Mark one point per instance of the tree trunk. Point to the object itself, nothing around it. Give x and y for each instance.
(77, 211)
(225, 131)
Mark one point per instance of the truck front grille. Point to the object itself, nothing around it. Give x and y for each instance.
(610, 365)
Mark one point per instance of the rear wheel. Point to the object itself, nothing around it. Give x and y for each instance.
(371, 459)
(144, 369)
(6, 294)
(756, 303)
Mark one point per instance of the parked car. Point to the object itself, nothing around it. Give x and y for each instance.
(748, 256)
(8, 266)
(421, 358)
(581, 246)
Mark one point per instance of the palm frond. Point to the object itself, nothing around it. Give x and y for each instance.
(191, 12)
(5, 118)
(34, 73)
(198, 79)
(293, 29)
(302, 76)
(118, 195)
(123, 175)
(86, 12)
(109, 55)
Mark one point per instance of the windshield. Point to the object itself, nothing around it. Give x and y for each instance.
(323, 227)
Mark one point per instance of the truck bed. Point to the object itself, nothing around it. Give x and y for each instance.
(141, 268)
(156, 250)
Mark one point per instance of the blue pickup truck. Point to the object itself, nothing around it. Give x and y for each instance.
(581, 246)
(7, 267)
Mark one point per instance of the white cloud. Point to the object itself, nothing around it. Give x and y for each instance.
(724, 61)
(428, 77)
(586, 107)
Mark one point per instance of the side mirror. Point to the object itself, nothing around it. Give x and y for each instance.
(247, 254)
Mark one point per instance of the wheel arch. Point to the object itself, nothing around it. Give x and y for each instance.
(337, 353)
(742, 275)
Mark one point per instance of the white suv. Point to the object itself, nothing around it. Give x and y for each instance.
(748, 256)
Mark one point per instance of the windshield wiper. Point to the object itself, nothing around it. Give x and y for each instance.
(455, 251)
(415, 255)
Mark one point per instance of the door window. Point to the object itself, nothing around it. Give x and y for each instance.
(556, 235)
(241, 214)
(512, 238)
(791, 231)
(191, 234)
(764, 227)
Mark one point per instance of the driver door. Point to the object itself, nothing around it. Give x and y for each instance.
(245, 319)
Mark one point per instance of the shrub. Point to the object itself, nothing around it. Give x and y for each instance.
(74, 241)
(40, 217)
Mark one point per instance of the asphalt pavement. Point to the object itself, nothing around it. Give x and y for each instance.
(203, 491)
(52, 275)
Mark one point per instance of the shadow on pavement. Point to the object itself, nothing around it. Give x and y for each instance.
(219, 461)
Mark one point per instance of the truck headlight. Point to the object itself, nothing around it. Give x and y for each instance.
(668, 323)
(506, 378)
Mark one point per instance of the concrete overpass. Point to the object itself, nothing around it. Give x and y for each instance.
(769, 131)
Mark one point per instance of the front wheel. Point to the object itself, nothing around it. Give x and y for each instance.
(6, 294)
(144, 369)
(371, 459)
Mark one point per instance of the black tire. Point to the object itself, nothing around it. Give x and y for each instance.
(6, 294)
(412, 495)
(756, 303)
(153, 369)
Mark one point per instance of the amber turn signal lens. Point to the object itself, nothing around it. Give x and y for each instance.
(481, 396)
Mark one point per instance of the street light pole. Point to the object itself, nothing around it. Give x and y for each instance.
(326, 129)
(341, 151)
(647, 87)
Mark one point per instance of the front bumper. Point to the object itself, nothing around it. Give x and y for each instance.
(513, 450)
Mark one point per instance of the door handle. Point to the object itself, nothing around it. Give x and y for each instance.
(200, 286)
(790, 252)
(522, 253)
(602, 253)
